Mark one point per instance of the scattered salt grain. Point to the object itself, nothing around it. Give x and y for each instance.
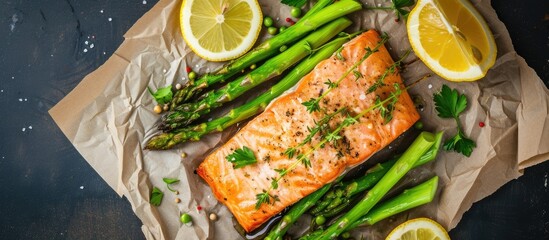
(430, 86)
(164, 70)
(25, 99)
(85, 50)
(545, 183)
(92, 45)
(101, 11)
(144, 2)
(362, 96)
(30, 127)
(24, 129)
(2, 90)
(51, 55)
(81, 187)
(110, 19)
(20, 99)
(86, 42)
(104, 53)
(12, 77)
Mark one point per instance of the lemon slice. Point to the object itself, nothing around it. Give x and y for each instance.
(452, 39)
(419, 229)
(220, 30)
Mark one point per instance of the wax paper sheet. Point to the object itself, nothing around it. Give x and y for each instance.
(109, 114)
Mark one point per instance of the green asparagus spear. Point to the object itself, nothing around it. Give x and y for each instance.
(188, 112)
(414, 197)
(410, 198)
(422, 143)
(365, 182)
(319, 16)
(168, 140)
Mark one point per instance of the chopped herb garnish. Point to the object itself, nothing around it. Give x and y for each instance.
(170, 181)
(162, 95)
(156, 196)
(450, 104)
(241, 157)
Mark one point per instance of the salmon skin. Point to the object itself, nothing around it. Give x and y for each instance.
(284, 125)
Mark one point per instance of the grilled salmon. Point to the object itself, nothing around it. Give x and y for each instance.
(284, 124)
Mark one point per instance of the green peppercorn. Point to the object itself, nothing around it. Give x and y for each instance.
(192, 75)
(296, 12)
(418, 125)
(186, 218)
(320, 220)
(283, 48)
(282, 29)
(267, 21)
(272, 30)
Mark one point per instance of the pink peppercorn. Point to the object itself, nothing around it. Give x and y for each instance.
(481, 124)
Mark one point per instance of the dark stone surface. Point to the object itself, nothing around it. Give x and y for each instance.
(42, 59)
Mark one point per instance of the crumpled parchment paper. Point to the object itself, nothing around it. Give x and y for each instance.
(109, 114)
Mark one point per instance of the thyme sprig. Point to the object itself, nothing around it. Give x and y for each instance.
(320, 126)
(266, 197)
(389, 71)
(313, 104)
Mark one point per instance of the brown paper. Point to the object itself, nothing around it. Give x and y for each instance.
(108, 115)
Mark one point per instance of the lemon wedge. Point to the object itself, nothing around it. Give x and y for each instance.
(452, 39)
(220, 30)
(419, 229)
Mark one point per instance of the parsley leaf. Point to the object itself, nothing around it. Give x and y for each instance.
(294, 3)
(169, 181)
(156, 196)
(242, 157)
(460, 144)
(449, 103)
(399, 6)
(162, 95)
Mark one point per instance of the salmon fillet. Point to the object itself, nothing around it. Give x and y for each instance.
(284, 124)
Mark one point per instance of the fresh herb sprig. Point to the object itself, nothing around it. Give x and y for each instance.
(266, 197)
(156, 196)
(170, 181)
(241, 157)
(320, 126)
(162, 95)
(450, 104)
(313, 104)
(389, 71)
(399, 6)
